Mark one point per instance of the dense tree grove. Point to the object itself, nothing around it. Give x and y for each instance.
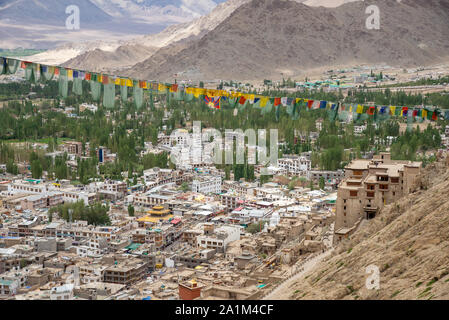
(124, 129)
(96, 214)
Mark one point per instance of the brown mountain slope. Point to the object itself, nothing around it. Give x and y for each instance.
(264, 38)
(101, 60)
(408, 241)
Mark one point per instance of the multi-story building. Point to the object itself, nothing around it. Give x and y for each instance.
(26, 187)
(8, 287)
(368, 186)
(207, 184)
(295, 164)
(73, 147)
(231, 200)
(73, 195)
(125, 272)
(336, 176)
(218, 238)
(37, 201)
(148, 200)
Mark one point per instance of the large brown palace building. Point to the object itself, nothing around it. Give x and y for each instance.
(368, 186)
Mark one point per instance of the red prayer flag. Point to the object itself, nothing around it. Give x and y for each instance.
(88, 76)
(56, 71)
(309, 104)
(277, 101)
(434, 116)
(242, 100)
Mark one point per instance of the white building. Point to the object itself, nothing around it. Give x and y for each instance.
(359, 129)
(74, 195)
(64, 292)
(295, 164)
(219, 238)
(207, 184)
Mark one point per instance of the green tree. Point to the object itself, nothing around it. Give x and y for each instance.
(255, 227)
(36, 169)
(322, 183)
(185, 187)
(131, 210)
(11, 167)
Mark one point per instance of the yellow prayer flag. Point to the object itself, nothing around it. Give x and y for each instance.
(70, 74)
(129, 83)
(359, 109)
(117, 81)
(100, 78)
(424, 113)
(199, 91)
(392, 110)
(263, 101)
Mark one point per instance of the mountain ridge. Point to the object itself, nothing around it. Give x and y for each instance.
(103, 57)
(41, 23)
(274, 38)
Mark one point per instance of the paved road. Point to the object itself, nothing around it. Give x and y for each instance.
(281, 291)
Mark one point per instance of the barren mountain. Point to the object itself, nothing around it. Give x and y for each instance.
(114, 55)
(41, 23)
(271, 38)
(99, 60)
(194, 29)
(408, 241)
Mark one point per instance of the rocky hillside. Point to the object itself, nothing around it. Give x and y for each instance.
(275, 38)
(408, 241)
(101, 60)
(116, 55)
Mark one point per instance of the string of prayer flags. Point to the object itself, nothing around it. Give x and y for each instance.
(214, 97)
